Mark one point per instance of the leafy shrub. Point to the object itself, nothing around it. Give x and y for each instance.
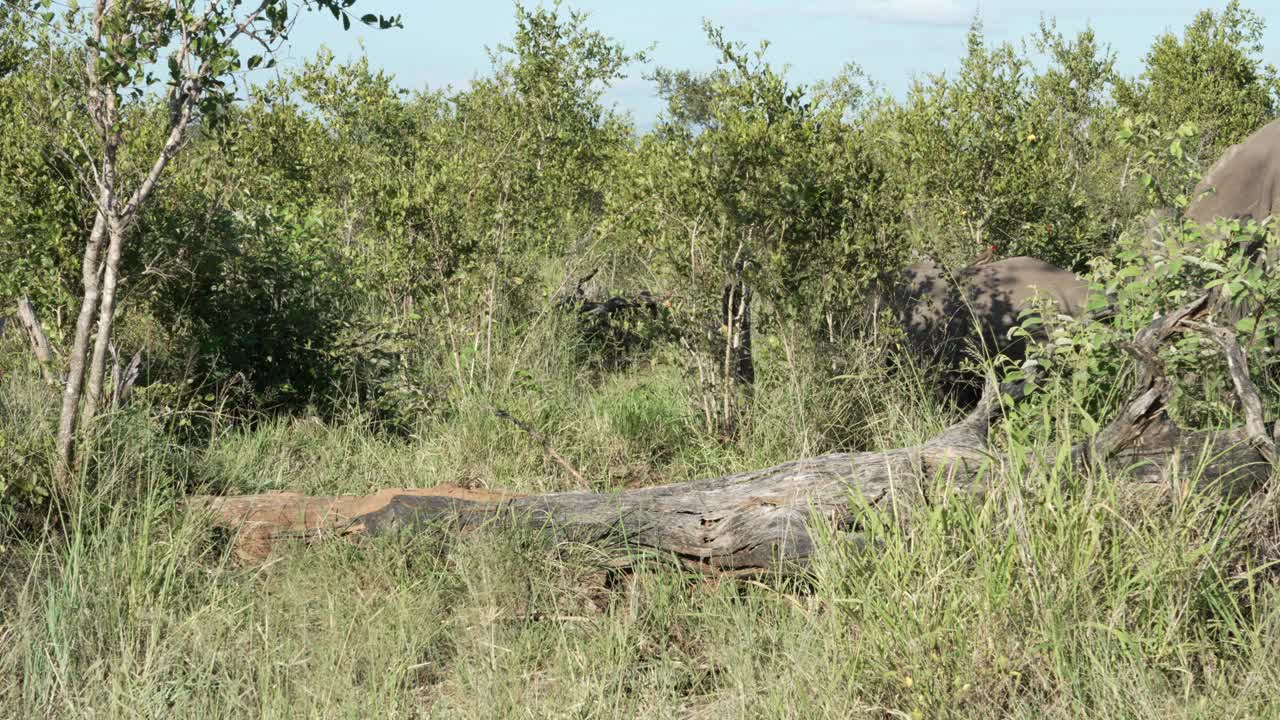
(1004, 155)
(1213, 76)
(1150, 275)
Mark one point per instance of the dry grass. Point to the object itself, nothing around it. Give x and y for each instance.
(1044, 599)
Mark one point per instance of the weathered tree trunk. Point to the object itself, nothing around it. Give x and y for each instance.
(74, 389)
(39, 342)
(106, 323)
(766, 519)
(737, 372)
(748, 522)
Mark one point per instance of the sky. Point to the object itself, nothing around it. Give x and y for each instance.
(444, 43)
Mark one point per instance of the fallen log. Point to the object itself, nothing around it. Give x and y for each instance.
(767, 519)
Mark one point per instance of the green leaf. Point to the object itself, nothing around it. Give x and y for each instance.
(1245, 325)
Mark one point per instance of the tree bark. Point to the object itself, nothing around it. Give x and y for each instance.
(39, 342)
(74, 389)
(106, 320)
(768, 519)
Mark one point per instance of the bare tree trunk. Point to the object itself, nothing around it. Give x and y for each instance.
(103, 104)
(101, 278)
(768, 519)
(72, 392)
(39, 342)
(738, 369)
(106, 319)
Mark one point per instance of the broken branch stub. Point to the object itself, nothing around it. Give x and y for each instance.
(1246, 391)
(39, 342)
(766, 519)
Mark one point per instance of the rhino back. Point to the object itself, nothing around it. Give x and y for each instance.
(942, 312)
(1014, 282)
(1244, 182)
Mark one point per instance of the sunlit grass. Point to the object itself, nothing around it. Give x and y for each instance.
(1051, 595)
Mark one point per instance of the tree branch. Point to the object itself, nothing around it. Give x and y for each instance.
(544, 442)
(1246, 391)
(39, 342)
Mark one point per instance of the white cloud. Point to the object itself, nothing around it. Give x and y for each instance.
(905, 12)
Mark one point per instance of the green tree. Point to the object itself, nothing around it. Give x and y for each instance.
(1002, 155)
(42, 213)
(754, 189)
(122, 43)
(292, 224)
(519, 172)
(1212, 76)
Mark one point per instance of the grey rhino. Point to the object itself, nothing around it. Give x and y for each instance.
(1244, 183)
(944, 313)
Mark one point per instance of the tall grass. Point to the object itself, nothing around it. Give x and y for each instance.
(1052, 595)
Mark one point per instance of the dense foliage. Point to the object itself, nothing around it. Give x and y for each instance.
(342, 286)
(332, 243)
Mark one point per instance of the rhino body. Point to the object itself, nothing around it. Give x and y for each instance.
(1244, 183)
(944, 313)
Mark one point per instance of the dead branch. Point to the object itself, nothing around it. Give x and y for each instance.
(1250, 400)
(39, 342)
(123, 378)
(766, 519)
(544, 442)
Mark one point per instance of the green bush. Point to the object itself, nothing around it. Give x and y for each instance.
(1003, 154)
(1213, 76)
(343, 286)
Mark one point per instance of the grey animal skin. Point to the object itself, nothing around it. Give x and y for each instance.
(1244, 183)
(945, 312)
